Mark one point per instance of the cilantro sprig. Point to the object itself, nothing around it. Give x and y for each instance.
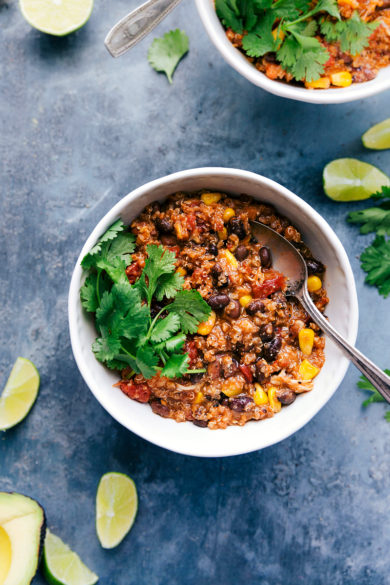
(128, 334)
(364, 384)
(289, 28)
(166, 52)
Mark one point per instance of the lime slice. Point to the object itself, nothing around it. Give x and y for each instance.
(19, 394)
(349, 179)
(56, 17)
(116, 508)
(378, 137)
(62, 566)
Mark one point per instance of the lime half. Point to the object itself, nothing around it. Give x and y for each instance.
(56, 17)
(349, 179)
(116, 508)
(62, 566)
(378, 137)
(19, 394)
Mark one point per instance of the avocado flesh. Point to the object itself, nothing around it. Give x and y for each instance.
(22, 531)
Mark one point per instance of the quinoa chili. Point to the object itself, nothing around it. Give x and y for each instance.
(343, 67)
(258, 349)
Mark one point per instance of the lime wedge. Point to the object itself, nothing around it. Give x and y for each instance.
(116, 508)
(349, 179)
(19, 394)
(56, 17)
(61, 566)
(378, 137)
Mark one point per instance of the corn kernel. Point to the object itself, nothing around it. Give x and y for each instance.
(198, 398)
(207, 326)
(341, 79)
(280, 36)
(182, 271)
(230, 259)
(307, 371)
(313, 284)
(228, 214)
(245, 300)
(260, 395)
(222, 234)
(306, 340)
(210, 198)
(232, 387)
(321, 83)
(275, 404)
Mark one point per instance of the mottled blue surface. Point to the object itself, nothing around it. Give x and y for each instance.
(78, 130)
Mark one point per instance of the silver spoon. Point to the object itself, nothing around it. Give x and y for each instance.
(135, 26)
(287, 260)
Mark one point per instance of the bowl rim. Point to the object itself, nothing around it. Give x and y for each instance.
(147, 433)
(239, 62)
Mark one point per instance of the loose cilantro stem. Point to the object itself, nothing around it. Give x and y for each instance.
(197, 371)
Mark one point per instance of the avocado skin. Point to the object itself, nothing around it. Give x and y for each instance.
(42, 528)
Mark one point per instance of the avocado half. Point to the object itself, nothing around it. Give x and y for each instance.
(22, 534)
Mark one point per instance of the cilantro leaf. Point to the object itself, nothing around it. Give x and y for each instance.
(176, 366)
(353, 33)
(364, 384)
(375, 260)
(304, 57)
(121, 313)
(329, 6)
(290, 9)
(165, 53)
(387, 416)
(160, 262)
(88, 294)
(229, 14)
(106, 348)
(172, 344)
(165, 327)
(147, 361)
(373, 219)
(168, 285)
(261, 41)
(190, 308)
(384, 193)
(109, 235)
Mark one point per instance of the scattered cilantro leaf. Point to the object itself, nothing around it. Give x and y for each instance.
(375, 260)
(352, 33)
(365, 384)
(373, 219)
(384, 193)
(165, 53)
(177, 365)
(190, 308)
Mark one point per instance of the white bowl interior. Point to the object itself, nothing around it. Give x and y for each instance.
(342, 310)
(236, 59)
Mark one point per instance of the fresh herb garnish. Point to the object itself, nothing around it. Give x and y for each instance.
(289, 28)
(375, 261)
(165, 53)
(364, 384)
(128, 334)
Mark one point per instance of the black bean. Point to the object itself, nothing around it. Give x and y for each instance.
(233, 310)
(266, 332)
(229, 366)
(213, 250)
(168, 240)
(224, 400)
(259, 375)
(214, 370)
(271, 349)
(164, 225)
(237, 227)
(265, 257)
(218, 301)
(195, 378)
(161, 409)
(314, 266)
(241, 253)
(240, 402)
(287, 396)
(255, 307)
(200, 423)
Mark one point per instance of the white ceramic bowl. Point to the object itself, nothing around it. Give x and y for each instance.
(237, 60)
(185, 437)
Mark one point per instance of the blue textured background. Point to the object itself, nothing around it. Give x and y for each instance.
(78, 131)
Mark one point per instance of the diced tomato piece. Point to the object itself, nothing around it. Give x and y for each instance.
(192, 350)
(246, 372)
(191, 222)
(139, 392)
(174, 249)
(133, 272)
(273, 282)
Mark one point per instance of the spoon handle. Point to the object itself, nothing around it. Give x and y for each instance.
(374, 374)
(136, 25)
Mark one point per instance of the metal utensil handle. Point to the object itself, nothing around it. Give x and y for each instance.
(136, 25)
(374, 374)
